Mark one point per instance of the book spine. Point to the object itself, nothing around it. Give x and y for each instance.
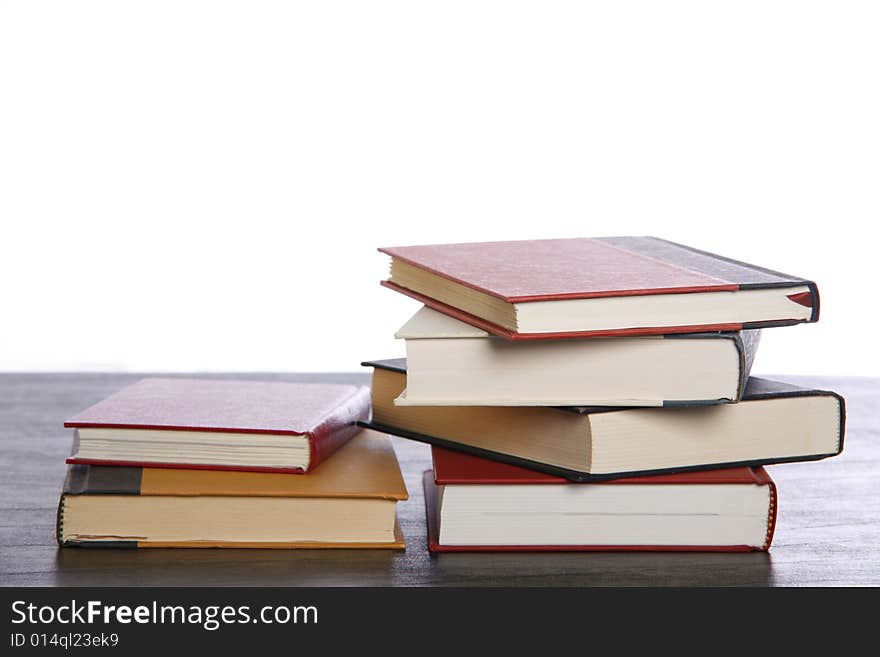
(763, 479)
(338, 427)
(59, 521)
(75, 480)
(746, 275)
(748, 345)
(121, 479)
(841, 412)
(771, 515)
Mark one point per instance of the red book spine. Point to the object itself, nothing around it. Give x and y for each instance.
(339, 427)
(764, 479)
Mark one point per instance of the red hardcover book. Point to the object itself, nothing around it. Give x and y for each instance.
(583, 287)
(269, 426)
(477, 505)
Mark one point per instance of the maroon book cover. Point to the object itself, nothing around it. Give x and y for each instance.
(584, 268)
(455, 468)
(325, 413)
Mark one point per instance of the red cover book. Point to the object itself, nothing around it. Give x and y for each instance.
(199, 412)
(463, 470)
(495, 286)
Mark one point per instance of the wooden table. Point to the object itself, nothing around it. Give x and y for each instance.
(828, 531)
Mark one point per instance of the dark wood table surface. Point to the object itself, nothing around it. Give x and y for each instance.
(828, 531)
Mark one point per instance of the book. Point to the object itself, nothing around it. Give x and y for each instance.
(350, 501)
(473, 504)
(774, 423)
(267, 426)
(607, 286)
(451, 363)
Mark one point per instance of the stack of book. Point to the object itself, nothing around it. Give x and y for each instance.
(219, 463)
(586, 394)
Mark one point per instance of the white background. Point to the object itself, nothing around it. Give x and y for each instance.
(202, 185)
